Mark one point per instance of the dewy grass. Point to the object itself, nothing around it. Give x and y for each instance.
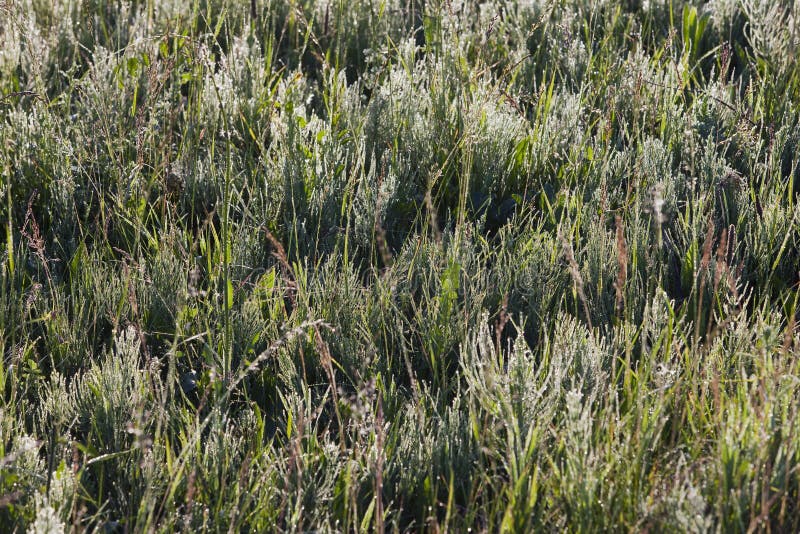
(399, 266)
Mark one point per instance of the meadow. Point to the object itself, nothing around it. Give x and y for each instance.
(399, 265)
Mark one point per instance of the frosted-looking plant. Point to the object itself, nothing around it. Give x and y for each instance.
(516, 384)
(10, 39)
(772, 29)
(107, 399)
(47, 520)
(29, 35)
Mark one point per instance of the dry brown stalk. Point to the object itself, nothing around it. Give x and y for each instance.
(704, 263)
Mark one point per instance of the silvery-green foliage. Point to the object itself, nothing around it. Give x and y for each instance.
(579, 468)
(233, 82)
(169, 10)
(679, 499)
(552, 258)
(532, 260)
(657, 180)
(787, 142)
(490, 380)
(578, 360)
(248, 254)
(163, 286)
(772, 28)
(566, 45)
(723, 12)
(29, 33)
(658, 315)
(717, 114)
(373, 200)
(255, 319)
(53, 503)
(398, 110)
(24, 460)
(494, 129)
(773, 235)
(752, 419)
(309, 477)
(746, 343)
(121, 381)
(293, 95)
(47, 521)
(106, 406)
(336, 295)
(414, 448)
(599, 264)
(516, 386)
(114, 407)
(558, 133)
(63, 486)
(12, 44)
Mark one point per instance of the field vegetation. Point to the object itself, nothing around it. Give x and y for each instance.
(399, 265)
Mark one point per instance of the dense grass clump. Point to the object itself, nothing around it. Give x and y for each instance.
(406, 265)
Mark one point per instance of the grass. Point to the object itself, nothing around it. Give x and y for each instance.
(298, 265)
